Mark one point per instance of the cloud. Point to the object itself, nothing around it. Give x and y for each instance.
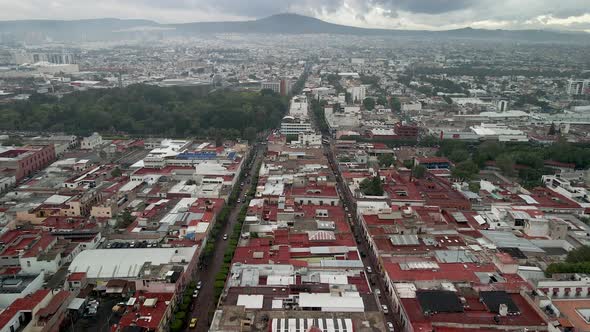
(399, 14)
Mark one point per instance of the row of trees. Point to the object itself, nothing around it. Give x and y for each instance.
(149, 110)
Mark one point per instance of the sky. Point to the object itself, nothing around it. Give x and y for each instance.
(389, 14)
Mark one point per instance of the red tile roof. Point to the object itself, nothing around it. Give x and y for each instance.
(26, 303)
(147, 317)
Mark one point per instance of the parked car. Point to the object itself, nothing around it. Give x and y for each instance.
(199, 284)
(195, 294)
(369, 269)
(193, 323)
(390, 327)
(385, 309)
(224, 236)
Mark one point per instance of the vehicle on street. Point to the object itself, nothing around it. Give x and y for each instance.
(385, 309)
(195, 294)
(369, 269)
(390, 327)
(199, 284)
(378, 292)
(193, 323)
(224, 236)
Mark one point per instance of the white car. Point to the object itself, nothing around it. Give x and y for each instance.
(390, 327)
(224, 236)
(195, 294)
(369, 269)
(199, 284)
(385, 309)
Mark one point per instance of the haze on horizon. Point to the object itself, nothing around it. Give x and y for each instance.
(571, 15)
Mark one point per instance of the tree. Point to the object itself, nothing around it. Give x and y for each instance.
(579, 255)
(116, 172)
(369, 103)
(372, 186)
(408, 163)
(250, 134)
(465, 170)
(126, 218)
(386, 160)
(474, 187)
(419, 171)
(396, 105)
(458, 156)
(506, 164)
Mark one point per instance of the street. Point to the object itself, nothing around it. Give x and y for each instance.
(375, 278)
(204, 306)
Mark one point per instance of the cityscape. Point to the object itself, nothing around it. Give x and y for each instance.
(290, 174)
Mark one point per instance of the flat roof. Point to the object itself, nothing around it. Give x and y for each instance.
(126, 263)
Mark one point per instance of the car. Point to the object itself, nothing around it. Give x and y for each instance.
(195, 294)
(193, 323)
(385, 309)
(225, 236)
(239, 201)
(390, 327)
(199, 284)
(369, 269)
(378, 292)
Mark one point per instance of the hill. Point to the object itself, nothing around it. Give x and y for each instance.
(109, 29)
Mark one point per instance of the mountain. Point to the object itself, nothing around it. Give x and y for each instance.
(101, 29)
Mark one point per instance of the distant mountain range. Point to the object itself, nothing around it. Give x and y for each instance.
(109, 29)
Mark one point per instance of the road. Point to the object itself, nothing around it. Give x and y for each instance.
(205, 304)
(369, 259)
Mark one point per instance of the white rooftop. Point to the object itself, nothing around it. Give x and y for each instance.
(126, 263)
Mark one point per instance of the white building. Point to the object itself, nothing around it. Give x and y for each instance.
(499, 132)
(415, 106)
(299, 107)
(91, 142)
(357, 93)
(578, 87)
(293, 126)
(309, 139)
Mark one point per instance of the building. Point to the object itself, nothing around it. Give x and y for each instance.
(282, 86)
(293, 126)
(271, 85)
(153, 312)
(357, 93)
(24, 161)
(502, 106)
(578, 87)
(91, 142)
(299, 107)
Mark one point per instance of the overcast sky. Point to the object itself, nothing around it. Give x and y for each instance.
(397, 14)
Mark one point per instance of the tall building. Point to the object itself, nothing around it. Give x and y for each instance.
(285, 87)
(578, 87)
(357, 93)
(502, 106)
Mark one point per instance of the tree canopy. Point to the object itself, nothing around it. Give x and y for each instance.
(148, 110)
(372, 186)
